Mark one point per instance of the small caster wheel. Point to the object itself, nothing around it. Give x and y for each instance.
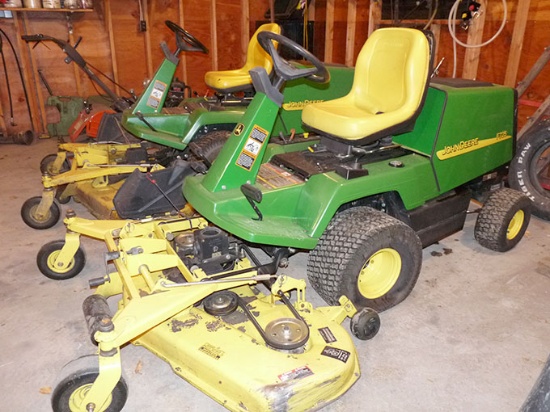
(48, 254)
(78, 377)
(46, 165)
(58, 195)
(28, 214)
(365, 324)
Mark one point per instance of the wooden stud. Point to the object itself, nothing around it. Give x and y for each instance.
(350, 32)
(109, 18)
(375, 15)
(245, 29)
(517, 43)
(76, 69)
(38, 120)
(214, 34)
(183, 57)
(475, 36)
(436, 30)
(148, 54)
(329, 31)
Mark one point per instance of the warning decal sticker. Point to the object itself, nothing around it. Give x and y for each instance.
(252, 147)
(335, 353)
(156, 94)
(327, 335)
(297, 373)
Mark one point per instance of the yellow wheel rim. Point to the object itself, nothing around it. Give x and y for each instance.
(77, 397)
(379, 274)
(515, 225)
(36, 219)
(51, 263)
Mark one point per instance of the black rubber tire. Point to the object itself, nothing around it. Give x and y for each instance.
(77, 380)
(59, 192)
(532, 159)
(208, 147)
(365, 324)
(47, 162)
(28, 212)
(350, 240)
(47, 254)
(503, 220)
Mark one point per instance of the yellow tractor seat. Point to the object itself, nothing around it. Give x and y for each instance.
(229, 81)
(389, 87)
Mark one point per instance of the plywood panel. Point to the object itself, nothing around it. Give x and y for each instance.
(197, 22)
(229, 24)
(129, 44)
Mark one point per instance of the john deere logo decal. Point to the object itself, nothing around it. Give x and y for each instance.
(299, 105)
(466, 146)
(238, 129)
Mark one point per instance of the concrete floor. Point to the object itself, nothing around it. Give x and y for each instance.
(473, 335)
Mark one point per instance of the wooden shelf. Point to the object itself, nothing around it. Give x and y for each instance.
(46, 10)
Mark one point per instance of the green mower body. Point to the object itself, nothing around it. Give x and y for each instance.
(176, 127)
(465, 131)
(365, 209)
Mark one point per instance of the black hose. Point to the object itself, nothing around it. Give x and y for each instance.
(7, 81)
(21, 76)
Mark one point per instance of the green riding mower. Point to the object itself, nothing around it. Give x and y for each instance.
(104, 177)
(193, 296)
(387, 169)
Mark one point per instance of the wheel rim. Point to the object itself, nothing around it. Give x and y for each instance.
(36, 219)
(515, 225)
(51, 263)
(77, 397)
(379, 274)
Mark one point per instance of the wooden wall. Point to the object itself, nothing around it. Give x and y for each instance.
(112, 43)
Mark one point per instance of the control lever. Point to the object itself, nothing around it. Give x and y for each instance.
(253, 195)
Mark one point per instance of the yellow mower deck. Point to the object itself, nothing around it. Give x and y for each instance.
(223, 354)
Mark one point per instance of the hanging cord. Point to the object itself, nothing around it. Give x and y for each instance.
(12, 122)
(21, 76)
(451, 23)
(432, 17)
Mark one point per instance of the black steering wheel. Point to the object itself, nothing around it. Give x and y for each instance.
(287, 70)
(185, 40)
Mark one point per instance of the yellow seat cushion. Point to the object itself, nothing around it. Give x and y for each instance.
(227, 81)
(390, 79)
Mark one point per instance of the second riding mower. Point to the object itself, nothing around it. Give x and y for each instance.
(389, 168)
(201, 124)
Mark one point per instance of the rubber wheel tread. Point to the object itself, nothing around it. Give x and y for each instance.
(495, 216)
(350, 239)
(209, 146)
(522, 169)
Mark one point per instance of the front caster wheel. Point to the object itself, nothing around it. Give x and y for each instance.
(46, 165)
(28, 214)
(46, 261)
(80, 374)
(365, 324)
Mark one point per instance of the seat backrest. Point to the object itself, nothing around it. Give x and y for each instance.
(392, 70)
(255, 54)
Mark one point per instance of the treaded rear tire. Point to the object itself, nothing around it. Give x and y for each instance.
(208, 147)
(532, 156)
(494, 226)
(352, 238)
